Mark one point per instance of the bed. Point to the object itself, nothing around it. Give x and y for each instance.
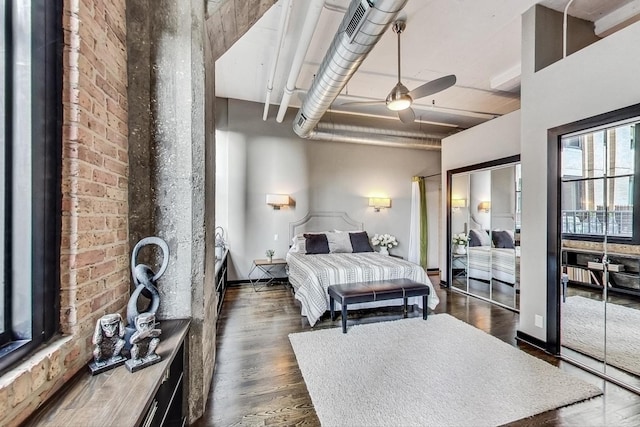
(496, 257)
(311, 273)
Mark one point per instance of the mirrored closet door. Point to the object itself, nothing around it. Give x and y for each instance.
(484, 230)
(600, 256)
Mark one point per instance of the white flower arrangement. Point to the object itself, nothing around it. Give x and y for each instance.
(460, 239)
(386, 240)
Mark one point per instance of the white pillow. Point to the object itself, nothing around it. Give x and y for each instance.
(298, 244)
(339, 242)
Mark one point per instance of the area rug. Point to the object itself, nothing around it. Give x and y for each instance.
(436, 372)
(582, 330)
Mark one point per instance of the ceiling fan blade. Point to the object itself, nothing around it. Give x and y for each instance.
(407, 115)
(348, 104)
(434, 86)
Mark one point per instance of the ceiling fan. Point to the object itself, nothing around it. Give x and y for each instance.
(400, 98)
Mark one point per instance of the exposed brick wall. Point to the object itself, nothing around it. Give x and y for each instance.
(94, 249)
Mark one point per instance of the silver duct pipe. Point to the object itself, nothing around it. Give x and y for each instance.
(361, 28)
(374, 136)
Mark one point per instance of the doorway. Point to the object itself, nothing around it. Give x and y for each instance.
(593, 281)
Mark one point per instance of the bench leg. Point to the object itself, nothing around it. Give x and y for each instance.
(344, 317)
(331, 308)
(424, 307)
(405, 308)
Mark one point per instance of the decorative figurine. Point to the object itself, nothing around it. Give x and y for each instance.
(108, 339)
(144, 342)
(145, 281)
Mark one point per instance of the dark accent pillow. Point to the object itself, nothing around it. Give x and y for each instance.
(502, 239)
(360, 242)
(479, 237)
(474, 239)
(316, 243)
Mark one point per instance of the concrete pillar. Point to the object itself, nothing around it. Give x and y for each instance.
(171, 96)
(167, 151)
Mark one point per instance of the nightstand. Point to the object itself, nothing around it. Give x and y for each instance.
(459, 265)
(268, 271)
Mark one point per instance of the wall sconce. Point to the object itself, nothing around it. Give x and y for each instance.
(278, 200)
(484, 207)
(456, 204)
(378, 203)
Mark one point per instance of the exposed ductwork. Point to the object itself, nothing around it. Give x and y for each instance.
(309, 27)
(362, 26)
(374, 136)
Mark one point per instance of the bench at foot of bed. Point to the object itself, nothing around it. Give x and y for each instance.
(352, 293)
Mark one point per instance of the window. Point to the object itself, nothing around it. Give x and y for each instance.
(599, 169)
(30, 82)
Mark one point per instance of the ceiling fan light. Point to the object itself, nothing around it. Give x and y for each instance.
(399, 104)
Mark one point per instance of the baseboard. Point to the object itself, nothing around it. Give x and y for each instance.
(532, 341)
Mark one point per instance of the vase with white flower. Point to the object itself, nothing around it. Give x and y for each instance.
(460, 243)
(270, 253)
(385, 242)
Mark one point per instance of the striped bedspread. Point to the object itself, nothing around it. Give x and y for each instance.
(311, 275)
(486, 263)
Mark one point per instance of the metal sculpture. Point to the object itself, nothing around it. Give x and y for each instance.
(144, 342)
(108, 339)
(144, 279)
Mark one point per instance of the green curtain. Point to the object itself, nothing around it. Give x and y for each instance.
(424, 234)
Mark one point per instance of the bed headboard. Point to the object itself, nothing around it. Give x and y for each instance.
(324, 221)
(474, 224)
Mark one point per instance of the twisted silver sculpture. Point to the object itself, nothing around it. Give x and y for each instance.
(145, 280)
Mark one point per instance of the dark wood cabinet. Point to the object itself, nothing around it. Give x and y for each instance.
(585, 268)
(153, 396)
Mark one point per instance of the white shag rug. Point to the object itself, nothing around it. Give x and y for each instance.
(436, 372)
(583, 330)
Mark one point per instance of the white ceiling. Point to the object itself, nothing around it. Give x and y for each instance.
(477, 40)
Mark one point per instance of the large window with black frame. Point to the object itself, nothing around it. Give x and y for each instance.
(30, 128)
(599, 170)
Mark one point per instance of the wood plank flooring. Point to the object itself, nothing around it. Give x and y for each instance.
(257, 380)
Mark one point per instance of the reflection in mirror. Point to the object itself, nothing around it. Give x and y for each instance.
(505, 250)
(459, 220)
(489, 268)
(600, 265)
(479, 227)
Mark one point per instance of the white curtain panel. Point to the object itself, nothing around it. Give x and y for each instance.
(414, 226)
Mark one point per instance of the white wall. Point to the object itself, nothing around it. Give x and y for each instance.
(267, 157)
(600, 78)
(491, 140)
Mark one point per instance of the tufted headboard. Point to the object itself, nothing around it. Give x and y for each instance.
(324, 221)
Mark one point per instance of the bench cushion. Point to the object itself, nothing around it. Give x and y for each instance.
(351, 293)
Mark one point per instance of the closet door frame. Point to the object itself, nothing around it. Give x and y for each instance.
(554, 234)
(468, 169)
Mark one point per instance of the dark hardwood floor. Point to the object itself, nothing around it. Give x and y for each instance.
(257, 380)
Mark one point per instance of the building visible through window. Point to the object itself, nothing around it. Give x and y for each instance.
(599, 168)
